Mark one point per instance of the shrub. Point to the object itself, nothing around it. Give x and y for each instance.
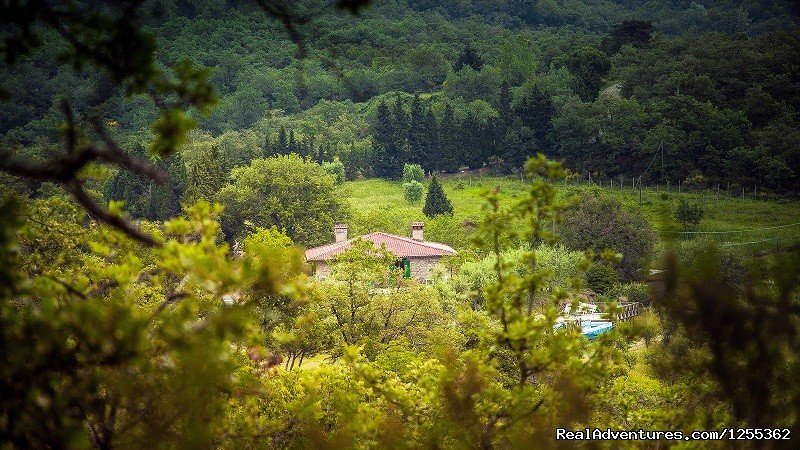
(413, 172)
(697, 180)
(412, 191)
(599, 222)
(335, 168)
(601, 277)
(647, 326)
(688, 214)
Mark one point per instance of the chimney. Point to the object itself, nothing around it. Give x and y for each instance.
(416, 230)
(340, 232)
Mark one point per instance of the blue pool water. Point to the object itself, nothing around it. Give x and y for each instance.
(590, 329)
(594, 329)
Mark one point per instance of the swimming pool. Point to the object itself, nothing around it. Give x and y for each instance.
(590, 329)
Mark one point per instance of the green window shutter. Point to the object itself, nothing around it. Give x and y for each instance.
(406, 268)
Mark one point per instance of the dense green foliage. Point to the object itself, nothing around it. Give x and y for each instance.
(730, 326)
(370, 358)
(296, 195)
(600, 223)
(143, 314)
(95, 329)
(601, 278)
(336, 169)
(692, 90)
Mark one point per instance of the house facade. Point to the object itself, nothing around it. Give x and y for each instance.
(414, 254)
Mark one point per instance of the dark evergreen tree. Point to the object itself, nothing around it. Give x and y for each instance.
(292, 144)
(536, 112)
(144, 198)
(354, 162)
(401, 131)
(472, 141)
(206, 173)
(417, 133)
(319, 154)
(165, 198)
(449, 157)
(282, 147)
(300, 146)
(386, 155)
(493, 138)
(504, 104)
(431, 147)
(309, 151)
(436, 203)
(269, 150)
(129, 188)
(469, 57)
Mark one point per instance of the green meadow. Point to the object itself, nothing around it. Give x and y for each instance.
(745, 222)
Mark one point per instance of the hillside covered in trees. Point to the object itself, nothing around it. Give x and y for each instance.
(169, 169)
(705, 93)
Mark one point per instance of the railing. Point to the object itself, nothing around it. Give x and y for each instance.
(629, 311)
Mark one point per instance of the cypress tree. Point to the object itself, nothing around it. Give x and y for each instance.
(283, 145)
(472, 141)
(417, 133)
(131, 189)
(401, 123)
(431, 147)
(145, 198)
(319, 154)
(436, 202)
(449, 154)
(206, 174)
(494, 140)
(303, 146)
(268, 149)
(310, 152)
(401, 131)
(535, 112)
(385, 153)
(165, 199)
(292, 146)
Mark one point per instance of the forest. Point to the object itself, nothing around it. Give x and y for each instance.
(705, 94)
(165, 164)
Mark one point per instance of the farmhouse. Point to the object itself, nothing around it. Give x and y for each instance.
(415, 255)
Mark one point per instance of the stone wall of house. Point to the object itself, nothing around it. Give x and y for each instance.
(321, 269)
(421, 267)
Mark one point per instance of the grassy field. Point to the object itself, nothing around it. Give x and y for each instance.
(378, 205)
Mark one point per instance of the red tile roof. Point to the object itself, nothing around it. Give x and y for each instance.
(402, 247)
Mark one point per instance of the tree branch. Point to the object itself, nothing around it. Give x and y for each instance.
(74, 187)
(116, 155)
